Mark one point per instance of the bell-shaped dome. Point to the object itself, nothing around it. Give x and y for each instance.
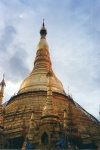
(37, 80)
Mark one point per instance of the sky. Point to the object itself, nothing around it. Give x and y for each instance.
(73, 37)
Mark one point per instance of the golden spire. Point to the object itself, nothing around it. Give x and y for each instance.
(43, 43)
(49, 109)
(31, 133)
(2, 84)
(31, 127)
(37, 80)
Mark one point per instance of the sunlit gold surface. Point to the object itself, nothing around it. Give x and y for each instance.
(50, 106)
(37, 80)
(43, 44)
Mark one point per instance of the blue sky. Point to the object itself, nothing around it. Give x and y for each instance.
(73, 36)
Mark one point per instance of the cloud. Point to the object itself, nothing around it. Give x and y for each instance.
(7, 37)
(18, 65)
(12, 56)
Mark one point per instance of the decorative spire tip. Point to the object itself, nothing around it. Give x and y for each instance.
(43, 22)
(3, 81)
(3, 75)
(43, 30)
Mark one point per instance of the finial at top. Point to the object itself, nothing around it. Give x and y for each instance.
(3, 81)
(43, 31)
(3, 75)
(2, 84)
(43, 22)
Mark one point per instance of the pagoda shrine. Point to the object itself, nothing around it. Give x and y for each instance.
(42, 115)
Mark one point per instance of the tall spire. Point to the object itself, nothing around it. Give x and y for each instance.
(2, 84)
(43, 32)
(37, 80)
(29, 137)
(49, 108)
(31, 127)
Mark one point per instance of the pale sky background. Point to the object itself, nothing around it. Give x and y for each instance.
(74, 43)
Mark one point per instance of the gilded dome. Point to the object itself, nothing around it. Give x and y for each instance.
(37, 80)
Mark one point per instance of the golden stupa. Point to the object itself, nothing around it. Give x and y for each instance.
(42, 114)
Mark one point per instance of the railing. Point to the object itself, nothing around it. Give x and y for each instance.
(88, 114)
